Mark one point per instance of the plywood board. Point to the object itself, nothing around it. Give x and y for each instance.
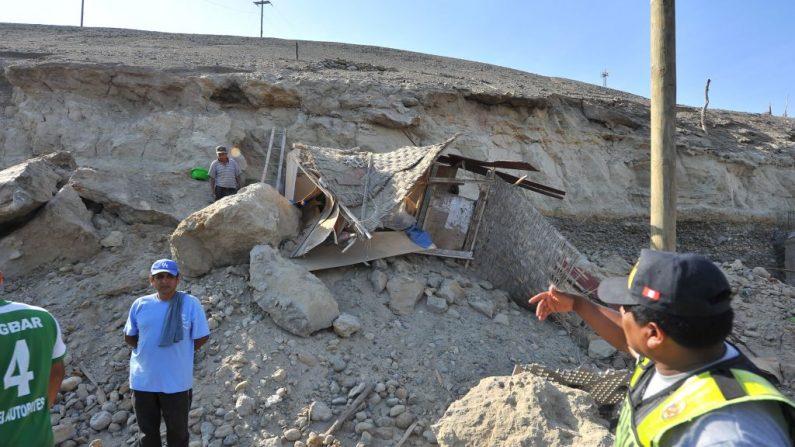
(383, 245)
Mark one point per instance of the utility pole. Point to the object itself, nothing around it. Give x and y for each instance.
(82, 5)
(261, 4)
(663, 125)
(605, 74)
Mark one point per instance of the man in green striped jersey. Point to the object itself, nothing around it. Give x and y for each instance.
(31, 361)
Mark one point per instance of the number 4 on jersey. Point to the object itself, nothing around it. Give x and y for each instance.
(19, 361)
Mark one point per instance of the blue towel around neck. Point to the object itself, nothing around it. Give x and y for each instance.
(172, 324)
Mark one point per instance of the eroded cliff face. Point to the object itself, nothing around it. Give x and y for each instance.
(126, 101)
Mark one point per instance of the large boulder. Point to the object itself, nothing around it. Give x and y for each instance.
(144, 196)
(295, 299)
(27, 186)
(224, 232)
(62, 229)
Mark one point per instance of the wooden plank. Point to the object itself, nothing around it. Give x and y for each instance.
(505, 164)
(458, 254)
(459, 181)
(480, 208)
(408, 433)
(384, 244)
(426, 198)
(279, 186)
(268, 157)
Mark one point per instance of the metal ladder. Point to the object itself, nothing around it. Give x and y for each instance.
(281, 136)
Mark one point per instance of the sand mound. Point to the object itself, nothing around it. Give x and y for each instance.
(522, 410)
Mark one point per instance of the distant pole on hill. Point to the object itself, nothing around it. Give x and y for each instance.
(261, 4)
(605, 74)
(663, 125)
(82, 6)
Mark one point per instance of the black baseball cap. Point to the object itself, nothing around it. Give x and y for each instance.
(680, 284)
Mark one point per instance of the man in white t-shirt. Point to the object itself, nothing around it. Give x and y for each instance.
(225, 174)
(690, 387)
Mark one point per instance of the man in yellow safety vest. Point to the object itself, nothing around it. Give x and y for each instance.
(690, 387)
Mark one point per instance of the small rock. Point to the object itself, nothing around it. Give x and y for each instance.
(245, 405)
(365, 426)
(314, 440)
(404, 292)
(502, 319)
(114, 239)
(307, 359)
(404, 420)
(338, 364)
(483, 305)
(292, 434)
(356, 390)
(384, 432)
(379, 279)
(279, 375)
(760, 271)
(430, 437)
(101, 420)
(397, 410)
(120, 417)
(70, 383)
(452, 292)
(320, 412)
(62, 432)
(366, 438)
(436, 305)
(223, 431)
(600, 349)
(346, 325)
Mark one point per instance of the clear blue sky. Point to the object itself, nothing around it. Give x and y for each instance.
(746, 47)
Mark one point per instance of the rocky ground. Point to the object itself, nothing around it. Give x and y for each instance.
(259, 385)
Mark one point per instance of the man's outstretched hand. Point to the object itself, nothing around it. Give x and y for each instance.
(552, 301)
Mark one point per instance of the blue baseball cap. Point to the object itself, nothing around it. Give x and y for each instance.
(164, 266)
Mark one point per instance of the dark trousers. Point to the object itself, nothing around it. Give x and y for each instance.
(221, 192)
(174, 408)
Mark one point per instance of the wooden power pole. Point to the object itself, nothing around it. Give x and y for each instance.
(261, 4)
(663, 125)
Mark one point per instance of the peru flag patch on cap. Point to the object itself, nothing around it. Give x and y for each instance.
(651, 294)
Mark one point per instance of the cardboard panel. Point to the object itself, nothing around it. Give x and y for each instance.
(448, 219)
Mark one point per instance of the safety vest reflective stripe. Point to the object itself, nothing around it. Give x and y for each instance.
(698, 395)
